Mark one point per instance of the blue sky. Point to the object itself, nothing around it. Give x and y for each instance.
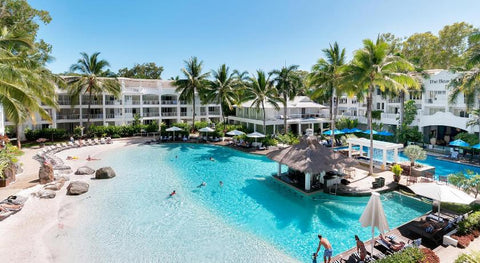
(246, 35)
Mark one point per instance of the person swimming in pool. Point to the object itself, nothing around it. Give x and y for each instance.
(211, 158)
(328, 249)
(173, 193)
(202, 184)
(221, 183)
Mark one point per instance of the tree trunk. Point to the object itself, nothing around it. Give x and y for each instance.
(89, 106)
(332, 117)
(285, 114)
(193, 117)
(369, 110)
(19, 144)
(264, 125)
(402, 106)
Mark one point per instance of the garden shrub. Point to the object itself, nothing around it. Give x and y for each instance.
(429, 256)
(474, 256)
(47, 133)
(408, 255)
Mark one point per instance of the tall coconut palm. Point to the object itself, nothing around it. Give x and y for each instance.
(91, 80)
(194, 81)
(327, 77)
(373, 67)
(262, 91)
(24, 83)
(288, 83)
(223, 89)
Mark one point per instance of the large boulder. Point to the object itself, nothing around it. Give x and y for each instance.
(77, 188)
(62, 177)
(45, 173)
(46, 194)
(55, 185)
(105, 173)
(85, 170)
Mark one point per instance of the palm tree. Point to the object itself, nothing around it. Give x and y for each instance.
(223, 89)
(327, 77)
(194, 81)
(24, 83)
(261, 90)
(91, 80)
(288, 82)
(373, 67)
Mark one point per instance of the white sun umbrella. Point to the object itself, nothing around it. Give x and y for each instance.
(374, 216)
(174, 129)
(206, 129)
(442, 193)
(235, 133)
(255, 135)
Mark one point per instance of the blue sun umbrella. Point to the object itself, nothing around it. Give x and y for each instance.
(329, 132)
(385, 133)
(346, 130)
(476, 146)
(459, 143)
(368, 132)
(355, 130)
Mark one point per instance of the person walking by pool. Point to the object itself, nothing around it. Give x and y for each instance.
(327, 254)
(361, 248)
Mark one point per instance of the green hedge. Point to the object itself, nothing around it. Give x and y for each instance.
(408, 255)
(48, 133)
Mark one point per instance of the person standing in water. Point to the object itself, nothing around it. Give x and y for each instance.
(327, 254)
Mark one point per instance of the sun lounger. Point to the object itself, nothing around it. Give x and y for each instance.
(435, 235)
(102, 141)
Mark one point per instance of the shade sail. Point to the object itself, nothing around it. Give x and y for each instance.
(459, 143)
(255, 135)
(345, 130)
(355, 130)
(174, 129)
(476, 146)
(336, 132)
(374, 216)
(235, 133)
(206, 129)
(385, 133)
(309, 156)
(368, 132)
(442, 193)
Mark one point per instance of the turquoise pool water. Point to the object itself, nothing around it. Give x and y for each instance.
(130, 218)
(442, 167)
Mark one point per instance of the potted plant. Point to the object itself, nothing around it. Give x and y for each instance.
(397, 171)
(414, 152)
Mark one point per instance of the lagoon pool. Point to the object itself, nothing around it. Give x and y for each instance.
(251, 218)
(442, 167)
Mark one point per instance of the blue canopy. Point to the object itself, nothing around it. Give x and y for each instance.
(459, 143)
(368, 132)
(329, 132)
(346, 130)
(355, 130)
(476, 146)
(385, 133)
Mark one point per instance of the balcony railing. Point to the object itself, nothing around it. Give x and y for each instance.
(113, 116)
(132, 102)
(167, 114)
(183, 114)
(113, 102)
(64, 102)
(93, 116)
(151, 114)
(94, 102)
(151, 102)
(68, 116)
(169, 102)
(214, 113)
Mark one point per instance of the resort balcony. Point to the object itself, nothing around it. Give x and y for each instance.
(93, 116)
(151, 114)
(303, 116)
(64, 102)
(113, 116)
(151, 102)
(214, 113)
(169, 102)
(113, 102)
(132, 102)
(94, 102)
(68, 116)
(183, 114)
(169, 114)
(390, 118)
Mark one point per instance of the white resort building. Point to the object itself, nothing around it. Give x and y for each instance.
(153, 100)
(436, 117)
(302, 113)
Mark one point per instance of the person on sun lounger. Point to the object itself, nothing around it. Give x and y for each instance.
(9, 207)
(393, 246)
(89, 158)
